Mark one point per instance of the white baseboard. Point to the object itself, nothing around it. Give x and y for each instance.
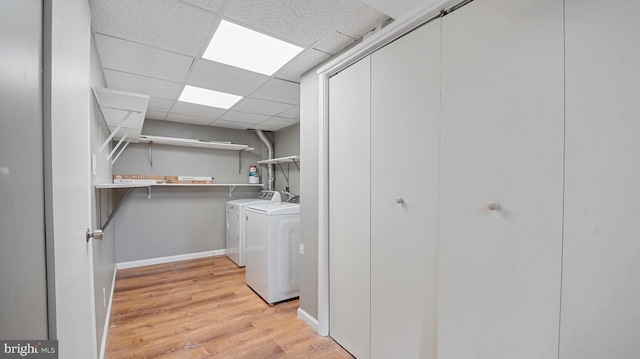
(105, 331)
(180, 257)
(308, 319)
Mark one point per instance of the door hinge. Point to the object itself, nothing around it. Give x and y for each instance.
(97, 234)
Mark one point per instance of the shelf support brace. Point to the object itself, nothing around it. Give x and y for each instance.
(119, 153)
(148, 192)
(115, 131)
(297, 165)
(151, 153)
(117, 146)
(103, 227)
(231, 188)
(286, 175)
(240, 155)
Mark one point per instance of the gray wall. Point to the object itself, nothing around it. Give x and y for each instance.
(187, 219)
(286, 142)
(23, 308)
(309, 123)
(104, 255)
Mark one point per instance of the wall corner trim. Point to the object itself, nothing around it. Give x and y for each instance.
(308, 319)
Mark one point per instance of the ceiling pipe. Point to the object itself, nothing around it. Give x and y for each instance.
(269, 146)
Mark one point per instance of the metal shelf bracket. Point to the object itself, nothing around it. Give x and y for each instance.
(103, 226)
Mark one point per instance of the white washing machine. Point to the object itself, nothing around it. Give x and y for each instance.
(235, 234)
(273, 238)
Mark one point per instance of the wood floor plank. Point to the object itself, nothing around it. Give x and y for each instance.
(202, 308)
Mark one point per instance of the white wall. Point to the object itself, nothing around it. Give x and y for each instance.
(309, 123)
(23, 308)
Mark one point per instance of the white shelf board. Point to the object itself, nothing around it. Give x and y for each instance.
(117, 105)
(188, 142)
(120, 185)
(280, 160)
(140, 185)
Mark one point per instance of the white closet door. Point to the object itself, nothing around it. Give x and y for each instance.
(601, 270)
(349, 207)
(502, 142)
(405, 118)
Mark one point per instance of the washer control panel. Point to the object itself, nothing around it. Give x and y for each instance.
(273, 196)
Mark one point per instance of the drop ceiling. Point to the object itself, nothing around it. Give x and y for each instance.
(154, 47)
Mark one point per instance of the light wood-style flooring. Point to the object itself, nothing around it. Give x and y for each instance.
(202, 308)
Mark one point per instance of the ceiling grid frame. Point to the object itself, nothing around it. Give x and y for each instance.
(269, 102)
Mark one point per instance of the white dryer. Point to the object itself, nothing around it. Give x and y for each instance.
(272, 246)
(235, 233)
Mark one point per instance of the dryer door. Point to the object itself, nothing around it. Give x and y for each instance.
(233, 251)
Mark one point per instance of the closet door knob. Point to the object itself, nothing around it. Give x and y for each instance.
(492, 206)
(399, 200)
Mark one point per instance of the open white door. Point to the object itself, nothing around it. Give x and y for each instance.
(67, 99)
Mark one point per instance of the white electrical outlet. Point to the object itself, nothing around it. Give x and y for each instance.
(301, 247)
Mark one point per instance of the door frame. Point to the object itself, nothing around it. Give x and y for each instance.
(66, 117)
(421, 14)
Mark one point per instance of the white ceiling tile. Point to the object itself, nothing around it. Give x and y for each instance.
(231, 124)
(294, 70)
(363, 21)
(334, 43)
(224, 78)
(211, 5)
(301, 21)
(140, 84)
(155, 115)
(279, 121)
(158, 104)
(292, 113)
(395, 8)
(183, 28)
(195, 120)
(262, 107)
(279, 91)
(243, 117)
(166, 24)
(127, 56)
(192, 109)
(274, 123)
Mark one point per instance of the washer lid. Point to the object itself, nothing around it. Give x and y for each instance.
(274, 208)
(245, 201)
(263, 196)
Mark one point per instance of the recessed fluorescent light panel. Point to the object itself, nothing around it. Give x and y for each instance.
(208, 97)
(250, 50)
